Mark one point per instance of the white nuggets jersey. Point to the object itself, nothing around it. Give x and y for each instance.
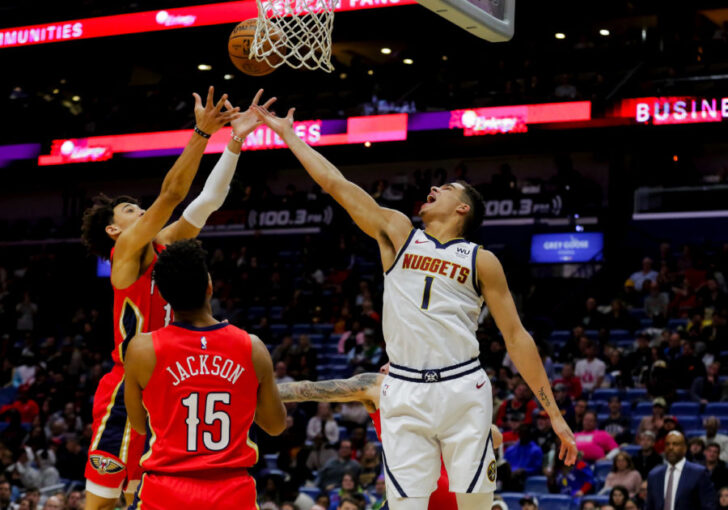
(431, 303)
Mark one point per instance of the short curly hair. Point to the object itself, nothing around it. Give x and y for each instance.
(181, 275)
(95, 220)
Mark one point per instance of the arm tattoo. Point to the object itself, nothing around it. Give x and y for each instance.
(326, 391)
(544, 399)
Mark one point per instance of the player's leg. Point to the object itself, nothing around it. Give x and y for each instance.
(94, 502)
(396, 503)
(480, 501)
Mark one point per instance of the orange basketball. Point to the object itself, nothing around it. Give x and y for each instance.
(241, 39)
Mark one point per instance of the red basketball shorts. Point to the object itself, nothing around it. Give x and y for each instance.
(230, 491)
(116, 449)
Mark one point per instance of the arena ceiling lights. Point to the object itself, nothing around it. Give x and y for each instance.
(153, 21)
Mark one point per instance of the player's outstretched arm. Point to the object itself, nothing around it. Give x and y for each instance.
(270, 413)
(362, 388)
(217, 185)
(130, 243)
(389, 227)
(139, 364)
(521, 346)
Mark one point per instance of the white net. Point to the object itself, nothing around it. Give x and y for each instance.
(297, 32)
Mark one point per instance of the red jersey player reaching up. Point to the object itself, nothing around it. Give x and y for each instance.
(132, 238)
(366, 388)
(196, 386)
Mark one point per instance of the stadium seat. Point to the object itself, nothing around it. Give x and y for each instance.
(626, 409)
(323, 329)
(256, 312)
(625, 345)
(677, 323)
(602, 469)
(636, 419)
(616, 335)
(686, 408)
(372, 434)
(536, 485)
(645, 322)
(3, 425)
(302, 329)
(631, 449)
(7, 395)
(343, 433)
(642, 409)
(312, 492)
(553, 502)
(316, 338)
(278, 330)
(637, 313)
(562, 334)
(634, 394)
(512, 499)
(592, 333)
(271, 460)
(602, 417)
(719, 409)
(683, 395)
(688, 421)
(694, 433)
(605, 393)
(600, 406)
(276, 313)
(334, 338)
(598, 499)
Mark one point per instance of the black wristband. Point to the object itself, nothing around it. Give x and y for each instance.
(201, 132)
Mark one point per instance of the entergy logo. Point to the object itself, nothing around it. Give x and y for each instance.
(170, 20)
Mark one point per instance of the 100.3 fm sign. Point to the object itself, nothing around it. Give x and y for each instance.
(525, 206)
(263, 218)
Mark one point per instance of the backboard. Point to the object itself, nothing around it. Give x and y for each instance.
(492, 20)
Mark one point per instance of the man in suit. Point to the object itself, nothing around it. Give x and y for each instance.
(679, 484)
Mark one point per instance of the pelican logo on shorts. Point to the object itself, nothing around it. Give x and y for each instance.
(462, 252)
(491, 471)
(431, 376)
(105, 465)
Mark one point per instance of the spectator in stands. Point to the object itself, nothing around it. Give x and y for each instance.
(618, 497)
(304, 359)
(528, 502)
(26, 310)
(53, 503)
(27, 407)
(716, 467)
(655, 305)
(348, 504)
(624, 475)
(367, 356)
(324, 425)
(669, 424)
(619, 318)
(563, 400)
(524, 457)
(654, 422)
(349, 488)
(379, 495)
(331, 474)
(575, 481)
(696, 450)
(617, 369)
(631, 505)
(371, 465)
(5, 502)
(711, 425)
(580, 409)
(593, 318)
(723, 498)
(33, 497)
(661, 382)
(646, 273)
(571, 350)
(281, 373)
(71, 459)
(283, 350)
(569, 380)
(707, 388)
(590, 370)
(543, 435)
(595, 444)
(684, 301)
(351, 338)
(617, 425)
(588, 504)
(520, 407)
(687, 367)
(679, 484)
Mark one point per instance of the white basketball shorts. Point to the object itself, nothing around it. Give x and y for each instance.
(427, 414)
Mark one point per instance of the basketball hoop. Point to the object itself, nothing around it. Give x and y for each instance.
(295, 32)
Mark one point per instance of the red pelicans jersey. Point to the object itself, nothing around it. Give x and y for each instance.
(200, 401)
(442, 498)
(138, 308)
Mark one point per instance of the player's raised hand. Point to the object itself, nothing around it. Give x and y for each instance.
(567, 450)
(210, 117)
(248, 120)
(281, 125)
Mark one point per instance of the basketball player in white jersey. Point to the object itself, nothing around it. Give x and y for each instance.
(436, 399)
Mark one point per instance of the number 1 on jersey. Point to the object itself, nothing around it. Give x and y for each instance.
(426, 293)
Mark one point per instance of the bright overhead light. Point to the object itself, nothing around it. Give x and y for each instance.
(76, 98)
(604, 32)
(560, 35)
(367, 144)
(204, 67)
(444, 57)
(56, 91)
(229, 76)
(386, 51)
(408, 61)
(370, 72)
(343, 76)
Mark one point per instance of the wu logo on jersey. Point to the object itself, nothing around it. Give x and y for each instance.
(462, 252)
(203, 343)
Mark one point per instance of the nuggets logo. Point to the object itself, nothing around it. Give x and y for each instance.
(491, 471)
(105, 465)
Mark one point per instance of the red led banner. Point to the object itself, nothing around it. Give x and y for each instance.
(673, 110)
(152, 21)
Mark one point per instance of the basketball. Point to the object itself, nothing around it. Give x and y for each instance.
(239, 43)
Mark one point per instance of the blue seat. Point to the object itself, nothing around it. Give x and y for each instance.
(512, 499)
(631, 449)
(691, 408)
(299, 329)
(694, 433)
(636, 419)
(620, 334)
(602, 417)
(256, 312)
(278, 330)
(536, 485)
(683, 395)
(338, 359)
(553, 502)
(276, 313)
(645, 322)
(334, 338)
(602, 469)
(605, 393)
(626, 409)
(324, 329)
(642, 409)
(563, 334)
(271, 460)
(719, 409)
(633, 394)
(316, 338)
(8, 395)
(600, 406)
(688, 421)
(372, 434)
(598, 500)
(312, 492)
(625, 345)
(343, 433)
(677, 323)
(638, 313)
